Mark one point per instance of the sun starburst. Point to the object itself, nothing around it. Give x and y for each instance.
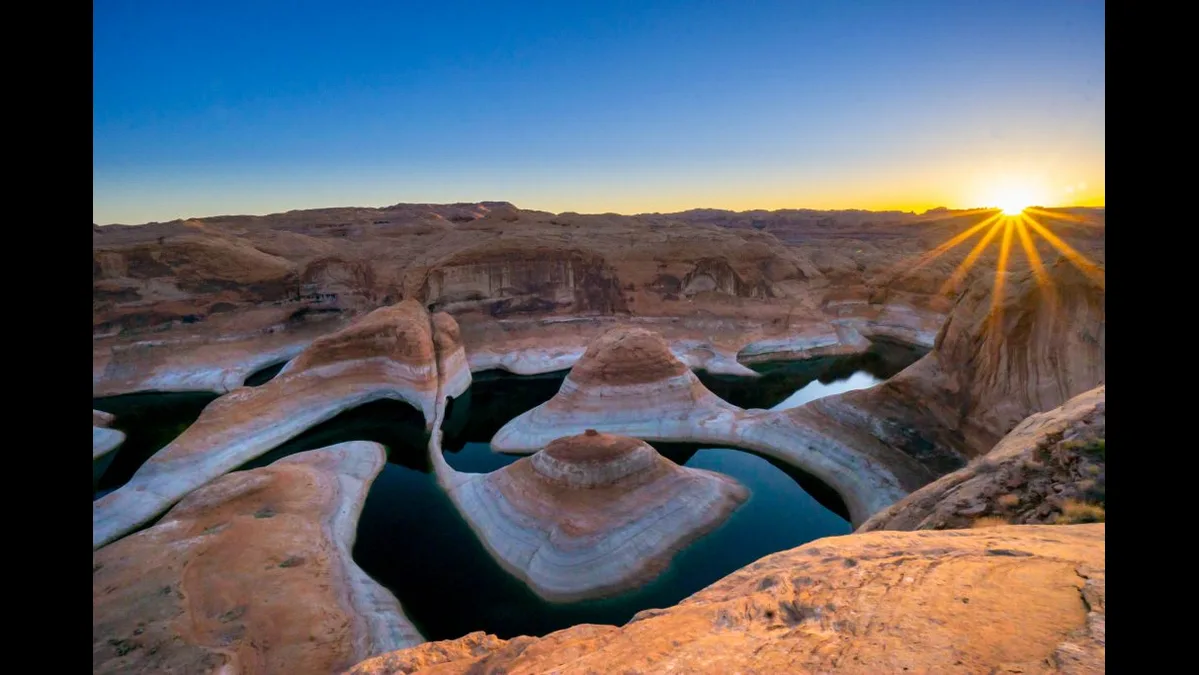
(1016, 224)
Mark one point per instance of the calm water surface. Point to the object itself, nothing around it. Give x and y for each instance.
(413, 541)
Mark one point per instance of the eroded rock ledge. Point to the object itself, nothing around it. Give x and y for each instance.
(392, 352)
(250, 574)
(104, 439)
(591, 515)
(1050, 468)
(628, 382)
(1026, 598)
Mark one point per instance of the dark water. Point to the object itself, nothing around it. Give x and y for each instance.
(781, 380)
(263, 375)
(412, 540)
(150, 422)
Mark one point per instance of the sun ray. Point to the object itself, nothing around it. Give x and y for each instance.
(943, 248)
(1030, 252)
(1077, 259)
(1005, 250)
(964, 266)
(1070, 217)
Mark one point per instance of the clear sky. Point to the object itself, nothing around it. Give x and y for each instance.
(216, 107)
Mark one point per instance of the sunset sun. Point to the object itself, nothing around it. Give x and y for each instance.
(1014, 201)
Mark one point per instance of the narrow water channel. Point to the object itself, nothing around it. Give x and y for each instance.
(412, 539)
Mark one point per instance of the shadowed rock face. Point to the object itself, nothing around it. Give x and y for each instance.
(250, 574)
(995, 362)
(390, 353)
(1007, 599)
(593, 514)
(1050, 468)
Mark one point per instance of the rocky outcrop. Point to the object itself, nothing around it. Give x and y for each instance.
(591, 515)
(198, 305)
(1025, 344)
(390, 353)
(1050, 469)
(250, 574)
(104, 439)
(1025, 599)
(628, 382)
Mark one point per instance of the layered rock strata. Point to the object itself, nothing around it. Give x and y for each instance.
(250, 574)
(1014, 345)
(104, 439)
(390, 353)
(1026, 599)
(628, 382)
(1050, 469)
(591, 515)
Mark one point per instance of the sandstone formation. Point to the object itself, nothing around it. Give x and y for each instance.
(1050, 469)
(104, 439)
(1024, 599)
(628, 382)
(591, 515)
(1010, 348)
(199, 304)
(250, 574)
(390, 353)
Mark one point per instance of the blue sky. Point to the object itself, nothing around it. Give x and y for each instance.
(205, 108)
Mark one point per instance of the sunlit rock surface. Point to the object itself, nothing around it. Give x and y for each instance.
(251, 573)
(1009, 349)
(1025, 599)
(1050, 468)
(591, 515)
(390, 353)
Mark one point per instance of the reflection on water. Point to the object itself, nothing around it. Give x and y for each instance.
(781, 380)
(413, 541)
(815, 390)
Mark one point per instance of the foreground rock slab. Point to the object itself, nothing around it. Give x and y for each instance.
(592, 515)
(250, 574)
(1051, 468)
(390, 353)
(1028, 599)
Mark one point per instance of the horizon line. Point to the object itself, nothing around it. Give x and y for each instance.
(932, 210)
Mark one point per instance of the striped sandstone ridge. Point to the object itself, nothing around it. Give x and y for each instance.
(591, 515)
(250, 574)
(104, 439)
(1042, 472)
(628, 382)
(1011, 599)
(390, 353)
(1007, 351)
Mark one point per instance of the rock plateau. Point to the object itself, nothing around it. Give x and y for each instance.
(250, 574)
(1022, 599)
